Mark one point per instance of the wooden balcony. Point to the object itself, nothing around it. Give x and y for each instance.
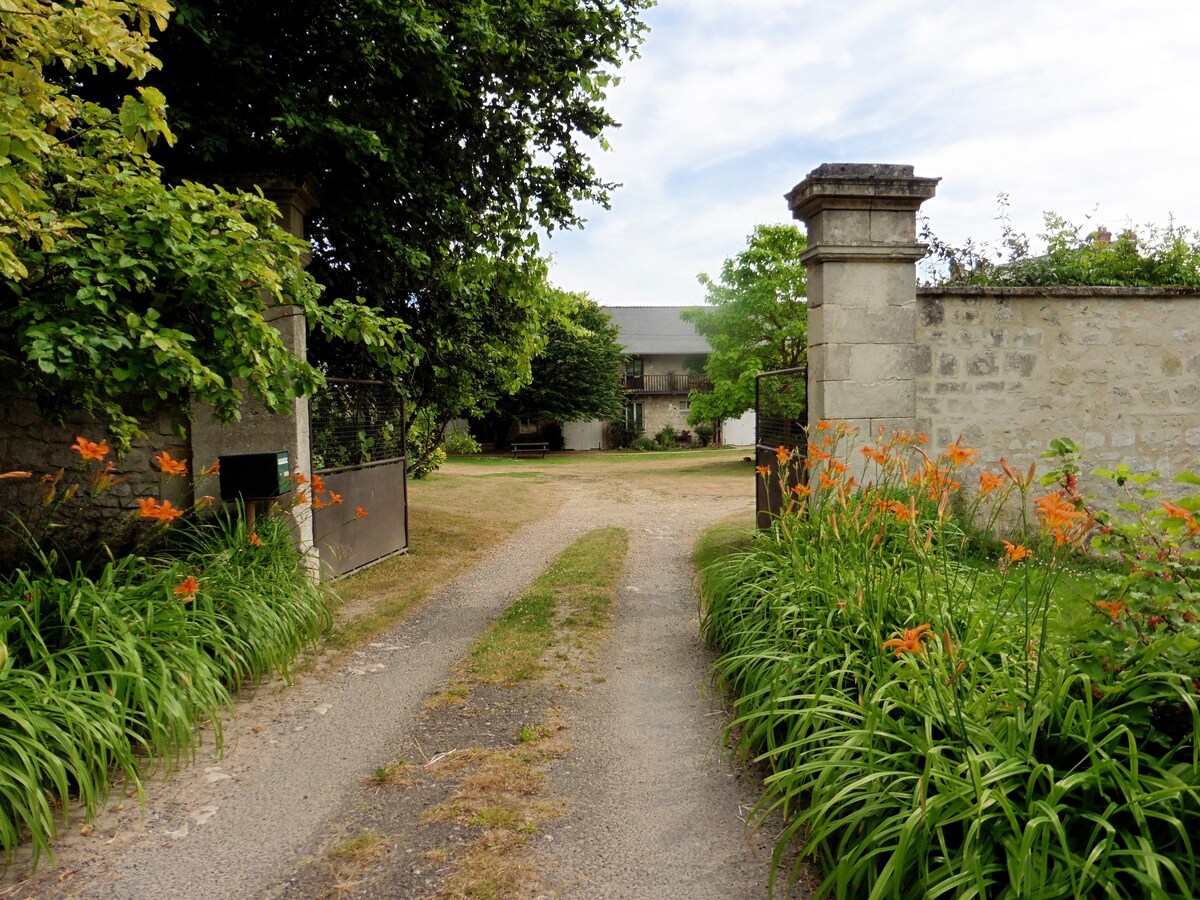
(665, 384)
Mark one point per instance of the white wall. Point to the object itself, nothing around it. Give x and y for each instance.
(739, 431)
(583, 435)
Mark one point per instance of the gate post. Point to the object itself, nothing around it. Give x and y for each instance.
(861, 260)
(259, 430)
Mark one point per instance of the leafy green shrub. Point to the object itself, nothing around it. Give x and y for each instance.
(1072, 256)
(624, 433)
(667, 438)
(704, 433)
(99, 669)
(643, 444)
(461, 443)
(928, 734)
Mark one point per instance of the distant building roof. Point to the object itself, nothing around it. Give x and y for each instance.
(655, 329)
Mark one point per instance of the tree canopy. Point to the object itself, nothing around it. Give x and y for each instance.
(444, 133)
(118, 291)
(755, 320)
(576, 376)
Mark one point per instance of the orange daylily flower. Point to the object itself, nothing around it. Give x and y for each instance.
(214, 469)
(877, 455)
(911, 642)
(90, 450)
(823, 424)
(318, 503)
(815, 452)
(1015, 552)
(255, 540)
(1175, 511)
(187, 588)
(783, 454)
(801, 490)
(149, 508)
(1056, 512)
(359, 512)
(960, 455)
(989, 482)
(301, 497)
(1113, 607)
(827, 481)
(335, 499)
(318, 484)
(838, 467)
(169, 466)
(762, 470)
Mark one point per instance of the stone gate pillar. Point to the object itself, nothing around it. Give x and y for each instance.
(861, 260)
(260, 431)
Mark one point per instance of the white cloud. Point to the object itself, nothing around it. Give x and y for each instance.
(1062, 105)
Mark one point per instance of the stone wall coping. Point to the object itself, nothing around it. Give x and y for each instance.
(1064, 291)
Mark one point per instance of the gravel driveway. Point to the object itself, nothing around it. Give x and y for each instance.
(655, 810)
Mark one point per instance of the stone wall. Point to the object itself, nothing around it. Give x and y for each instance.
(1115, 369)
(30, 443)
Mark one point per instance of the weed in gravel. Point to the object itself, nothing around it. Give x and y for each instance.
(400, 773)
(363, 848)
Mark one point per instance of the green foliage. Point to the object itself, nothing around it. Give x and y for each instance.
(576, 374)
(928, 734)
(704, 433)
(667, 438)
(641, 443)
(119, 292)
(756, 320)
(424, 449)
(1072, 255)
(102, 671)
(445, 134)
(461, 443)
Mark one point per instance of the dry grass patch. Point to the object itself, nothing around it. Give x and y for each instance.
(496, 866)
(363, 848)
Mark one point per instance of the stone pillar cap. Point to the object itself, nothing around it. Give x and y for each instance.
(859, 186)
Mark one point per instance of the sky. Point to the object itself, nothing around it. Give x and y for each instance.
(1088, 108)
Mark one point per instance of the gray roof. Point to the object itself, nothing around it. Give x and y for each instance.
(655, 329)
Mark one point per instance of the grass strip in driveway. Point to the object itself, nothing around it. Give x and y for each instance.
(461, 817)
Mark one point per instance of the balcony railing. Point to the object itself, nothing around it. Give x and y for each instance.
(665, 384)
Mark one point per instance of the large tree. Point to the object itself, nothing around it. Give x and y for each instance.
(117, 291)
(444, 133)
(755, 320)
(577, 375)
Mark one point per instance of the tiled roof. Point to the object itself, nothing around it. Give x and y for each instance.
(655, 329)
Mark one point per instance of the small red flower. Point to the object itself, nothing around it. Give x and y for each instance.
(360, 512)
(187, 588)
(255, 540)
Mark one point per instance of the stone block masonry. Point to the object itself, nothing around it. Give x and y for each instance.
(1115, 369)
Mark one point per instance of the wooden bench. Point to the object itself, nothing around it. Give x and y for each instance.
(530, 447)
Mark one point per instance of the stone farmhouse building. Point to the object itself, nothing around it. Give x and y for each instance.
(664, 363)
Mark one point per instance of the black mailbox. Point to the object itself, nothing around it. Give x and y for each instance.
(254, 476)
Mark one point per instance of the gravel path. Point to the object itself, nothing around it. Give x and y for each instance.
(656, 812)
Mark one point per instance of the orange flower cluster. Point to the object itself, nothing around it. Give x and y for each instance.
(90, 450)
(989, 482)
(187, 588)
(911, 642)
(763, 470)
(960, 455)
(149, 508)
(1114, 608)
(170, 467)
(1015, 552)
(1060, 518)
(1174, 511)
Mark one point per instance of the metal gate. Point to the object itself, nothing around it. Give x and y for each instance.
(781, 414)
(358, 450)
